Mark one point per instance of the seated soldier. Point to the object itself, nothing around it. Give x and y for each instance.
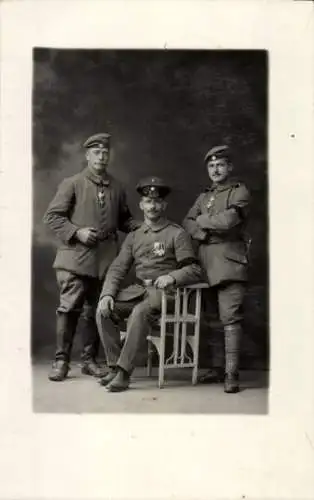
(164, 258)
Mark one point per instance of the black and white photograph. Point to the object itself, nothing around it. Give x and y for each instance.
(156, 250)
(150, 231)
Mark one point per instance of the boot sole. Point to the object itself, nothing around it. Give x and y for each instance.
(217, 380)
(106, 382)
(86, 371)
(232, 391)
(113, 388)
(57, 379)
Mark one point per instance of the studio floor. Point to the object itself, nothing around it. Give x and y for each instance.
(82, 394)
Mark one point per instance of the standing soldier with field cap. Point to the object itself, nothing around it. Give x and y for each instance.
(163, 256)
(217, 222)
(85, 215)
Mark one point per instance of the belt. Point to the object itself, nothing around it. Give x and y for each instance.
(107, 235)
(210, 239)
(146, 282)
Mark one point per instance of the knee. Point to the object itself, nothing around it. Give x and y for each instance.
(229, 320)
(142, 309)
(68, 308)
(231, 313)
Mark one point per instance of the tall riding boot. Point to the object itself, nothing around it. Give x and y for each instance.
(66, 326)
(233, 334)
(215, 374)
(91, 343)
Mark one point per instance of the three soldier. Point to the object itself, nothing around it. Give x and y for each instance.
(86, 213)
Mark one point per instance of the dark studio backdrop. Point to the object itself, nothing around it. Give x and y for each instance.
(164, 109)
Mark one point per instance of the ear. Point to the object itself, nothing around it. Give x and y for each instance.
(230, 167)
(141, 205)
(87, 154)
(164, 205)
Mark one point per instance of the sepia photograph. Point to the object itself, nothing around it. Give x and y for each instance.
(156, 250)
(150, 262)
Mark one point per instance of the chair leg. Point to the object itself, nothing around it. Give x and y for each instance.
(161, 374)
(149, 359)
(196, 340)
(161, 370)
(162, 344)
(194, 375)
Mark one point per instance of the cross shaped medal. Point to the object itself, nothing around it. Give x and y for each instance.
(210, 202)
(101, 198)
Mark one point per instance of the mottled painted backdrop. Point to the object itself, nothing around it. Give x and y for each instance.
(164, 110)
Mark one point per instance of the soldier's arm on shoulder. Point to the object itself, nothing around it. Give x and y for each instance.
(119, 268)
(235, 214)
(188, 270)
(190, 223)
(126, 221)
(57, 214)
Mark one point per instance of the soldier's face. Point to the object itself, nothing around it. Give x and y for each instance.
(98, 158)
(219, 170)
(153, 208)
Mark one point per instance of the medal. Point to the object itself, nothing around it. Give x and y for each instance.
(210, 202)
(101, 198)
(159, 249)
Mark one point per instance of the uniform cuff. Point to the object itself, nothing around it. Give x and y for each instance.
(176, 276)
(203, 221)
(71, 233)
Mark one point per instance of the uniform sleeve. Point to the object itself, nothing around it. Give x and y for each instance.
(57, 214)
(232, 216)
(119, 268)
(189, 270)
(190, 224)
(126, 221)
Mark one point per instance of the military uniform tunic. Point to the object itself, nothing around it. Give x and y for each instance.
(87, 200)
(154, 252)
(217, 222)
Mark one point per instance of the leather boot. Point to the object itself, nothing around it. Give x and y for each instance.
(65, 328)
(216, 373)
(108, 377)
(212, 376)
(93, 369)
(233, 334)
(91, 344)
(59, 371)
(120, 382)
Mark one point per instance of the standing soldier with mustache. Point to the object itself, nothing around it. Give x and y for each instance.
(217, 221)
(85, 215)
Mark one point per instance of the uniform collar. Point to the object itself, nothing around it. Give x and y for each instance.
(217, 188)
(97, 179)
(164, 223)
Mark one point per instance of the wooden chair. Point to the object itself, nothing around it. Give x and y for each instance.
(184, 314)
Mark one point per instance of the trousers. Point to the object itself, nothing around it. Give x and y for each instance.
(226, 300)
(141, 313)
(78, 298)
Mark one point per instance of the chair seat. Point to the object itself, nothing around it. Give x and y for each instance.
(188, 318)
